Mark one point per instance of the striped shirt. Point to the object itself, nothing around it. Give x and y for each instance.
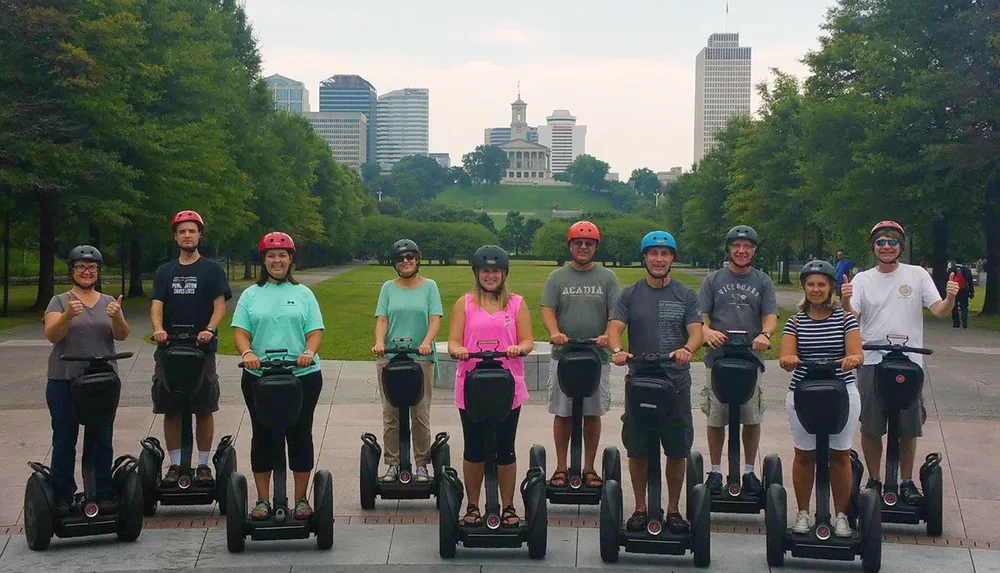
(821, 339)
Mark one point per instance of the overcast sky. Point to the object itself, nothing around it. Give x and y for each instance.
(624, 69)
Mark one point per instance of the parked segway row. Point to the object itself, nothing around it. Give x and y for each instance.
(489, 395)
(403, 387)
(649, 398)
(899, 382)
(579, 375)
(94, 401)
(278, 401)
(183, 362)
(822, 406)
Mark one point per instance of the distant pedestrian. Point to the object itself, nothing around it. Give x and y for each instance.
(966, 291)
(844, 269)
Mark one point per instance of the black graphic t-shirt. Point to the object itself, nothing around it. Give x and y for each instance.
(188, 293)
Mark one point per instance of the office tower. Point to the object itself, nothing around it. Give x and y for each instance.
(352, 93)
(722, 88)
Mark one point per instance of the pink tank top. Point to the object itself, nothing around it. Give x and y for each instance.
(502, 326)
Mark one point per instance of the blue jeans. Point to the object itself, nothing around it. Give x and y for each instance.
(65, 431)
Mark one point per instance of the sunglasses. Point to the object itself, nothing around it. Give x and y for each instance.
(884, 242)
(584, 243)
(406, 257)
(85, 268)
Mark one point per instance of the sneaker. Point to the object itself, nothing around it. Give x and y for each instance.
(203, 475)
(676, 523)
(876, 484)
(908, 492)
(841, 527)
(63, 509)
(752, 485)
(422, 475)
(803, 523)
(173, 474)
(714, 483)
(261, 511)
(391, 474)
(302, 509)
(637, 522)
(107, 507)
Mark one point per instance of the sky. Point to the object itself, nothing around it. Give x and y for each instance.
(626, 70)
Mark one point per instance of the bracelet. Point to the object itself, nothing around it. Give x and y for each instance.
(245, 352)
(688, 349)
(308, 352)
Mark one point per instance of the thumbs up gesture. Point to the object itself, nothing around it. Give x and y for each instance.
(951, 288)
(115, 307)
(846, 289)
(75, 307)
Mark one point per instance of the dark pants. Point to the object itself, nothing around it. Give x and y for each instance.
(474, 434)
(961, 309)
(65, 431)
(298, 437)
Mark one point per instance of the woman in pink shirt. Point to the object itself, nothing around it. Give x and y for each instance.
(490, 312)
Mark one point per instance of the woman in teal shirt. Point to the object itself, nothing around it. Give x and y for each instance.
(409, 306)
(278, 312)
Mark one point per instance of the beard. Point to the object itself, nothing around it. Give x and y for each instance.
(190, 250)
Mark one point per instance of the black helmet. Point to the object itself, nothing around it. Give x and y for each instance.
(85, 253)
(741, 232)
(490, 256)
(404, 246)
(817, 268)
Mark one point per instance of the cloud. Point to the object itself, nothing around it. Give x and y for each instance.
(510, 37)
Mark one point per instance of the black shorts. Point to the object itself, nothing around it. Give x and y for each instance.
(204, 401)
(676, 435)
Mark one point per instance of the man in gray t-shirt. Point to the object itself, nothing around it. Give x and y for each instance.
(576, 301)
(736, 297)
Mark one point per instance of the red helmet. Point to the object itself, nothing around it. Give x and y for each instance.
(276, 240)
(883, 225)
(184, 216)
(583, 230)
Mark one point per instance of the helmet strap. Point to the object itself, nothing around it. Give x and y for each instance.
(415, 272)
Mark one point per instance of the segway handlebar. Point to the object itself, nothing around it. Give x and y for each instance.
(402, 349)
(651, 358)
(273, 363)
(579, 342)
(95, 357)
(890, 347)
(821, 363)
(487, 354)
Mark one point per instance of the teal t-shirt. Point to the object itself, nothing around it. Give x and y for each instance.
(279, 316)
(409, 310)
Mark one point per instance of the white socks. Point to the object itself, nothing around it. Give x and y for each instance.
(747, 469)
(203, 457)
(717, 468)
(175, 457)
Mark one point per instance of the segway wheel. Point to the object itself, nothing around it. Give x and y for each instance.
(701, 526)
(611, 464)
(538, 523)
(933, 502)
(447, 524)
(149, 478)
(776, 523)
(367, 480)
(323, 504)
(38, 526)
(236, 513)
(870, 531)
(441, 458)
(611, 520)
(225, 468)
(772, 471)
(536, 458)
(130, 508)
(695, 471)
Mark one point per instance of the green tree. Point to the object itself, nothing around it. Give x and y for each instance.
(510, 235)
(428, 174)
(370, 171)
(486, 164)
(587, 172)
(645, 182)
(550, 242)
(460, 177)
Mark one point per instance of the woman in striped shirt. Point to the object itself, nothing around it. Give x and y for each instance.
(822, 330)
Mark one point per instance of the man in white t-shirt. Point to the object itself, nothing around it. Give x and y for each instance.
(889, 300)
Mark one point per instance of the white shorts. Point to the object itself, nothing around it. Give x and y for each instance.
(562, 405)
(803, 440)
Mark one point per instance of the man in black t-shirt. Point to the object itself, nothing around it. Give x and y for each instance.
(190, 291)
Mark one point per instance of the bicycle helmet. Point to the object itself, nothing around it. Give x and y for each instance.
(657, 239)
(583, 230)
(403, 246)
(490, 256)
(818, 267)
(187, 215)
(886, 225)
(741, 232)
(276, 240)
(85, 253)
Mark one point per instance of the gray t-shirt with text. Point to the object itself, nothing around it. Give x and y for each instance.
(582, 301)
(736, 302)
(88, 334)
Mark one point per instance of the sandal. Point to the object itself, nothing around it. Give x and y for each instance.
(302, 509)
(637, 522)
(261, 511)
(509, 517)
(558, 479)
(592, 479)
(472, 515)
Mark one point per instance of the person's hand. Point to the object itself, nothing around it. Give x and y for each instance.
(713, 338)
(75, 307)
(602, 341)
(115, 307)
(620, 358)
(681, 356)
(760, 343)
(204, 337)
(951, 289)
(851, 362)
(424, 349)
(160, 336)
(251, 362)
(846, 289)
(789, 363)
(461, 353)
(379, 349)
(304, 359)
(560, 339)
(513, 351)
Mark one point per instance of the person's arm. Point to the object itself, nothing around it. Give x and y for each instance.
(218, 311)
(456, 331)
(551, 324)
(855, 355)
(683, 354)
(156, 320)
(763, 340)
(314, 338)
(119, 326)
(942, 307)
(789, 359)
(525, 341)
(241, 339)
(435, 312)
(433, 326)
(381, 329)
(847, 297)
(57, 320)
(615, 330)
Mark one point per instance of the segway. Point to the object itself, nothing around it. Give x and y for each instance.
(899, 381)
(579, 375)
(183, 362)
(822, 405)
(94, 401)
(734, 382)
(489, 395)
(277, 398)
(649, 399)
(403, 387)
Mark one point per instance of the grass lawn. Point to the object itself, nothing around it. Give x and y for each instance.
(534, 199)
(348, 303)
(23, 296)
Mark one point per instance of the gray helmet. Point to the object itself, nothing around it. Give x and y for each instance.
(85, 253)
(404, 246)
(741, 232)
(817, 268)
(490, 256)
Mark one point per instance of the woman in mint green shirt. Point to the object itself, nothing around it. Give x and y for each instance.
(278, 312)
(409, 306)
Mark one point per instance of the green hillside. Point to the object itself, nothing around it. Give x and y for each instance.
(536, 200)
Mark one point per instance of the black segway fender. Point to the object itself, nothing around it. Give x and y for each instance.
(695, 473)
(224, 461)
(323, 515)
(450, 502)
(776, 523)
(612, 516)
(701, 526)
(536, 457)
(534, 498)
(440, 458)
(150, 472)
(870, 531)
(371, 451)
(39, 508)
(931, 482)
(854, 504)
(130, 504)
(611, 464)
(236, 513)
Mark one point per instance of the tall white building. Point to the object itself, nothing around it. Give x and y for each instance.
(288, 94)
(346, 132)
(722, 88)
(403, 125)
(565, 139)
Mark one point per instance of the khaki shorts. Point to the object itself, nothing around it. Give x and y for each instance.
(751, 413)
(874, 416)
(562, 405)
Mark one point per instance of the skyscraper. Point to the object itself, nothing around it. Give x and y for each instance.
(565, 139)
(403, 125)
(288, 94)
(346, 132)
(352, 93)
(722, 88)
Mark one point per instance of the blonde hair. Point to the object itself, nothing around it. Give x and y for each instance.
(502, 295)
(832, 301)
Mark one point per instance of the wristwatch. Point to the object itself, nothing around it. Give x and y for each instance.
(766, 334)
(616, 350)
(213, 330)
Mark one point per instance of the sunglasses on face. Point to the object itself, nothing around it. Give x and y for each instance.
(884, 242)
(406, 257)
(584, 243)
(85, 268)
